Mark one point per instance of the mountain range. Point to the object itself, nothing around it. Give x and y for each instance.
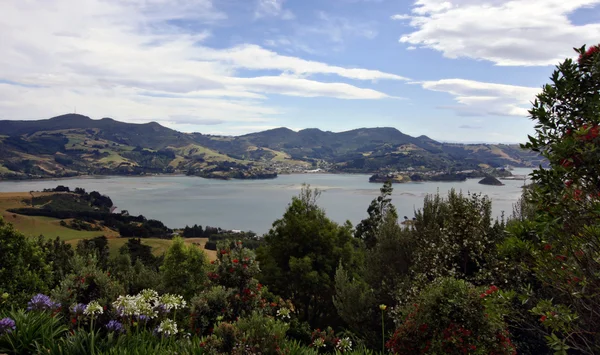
(73, 144)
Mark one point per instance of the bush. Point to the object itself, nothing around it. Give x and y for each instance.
(87, 283)
(184, 269)
(23, 268)
(451, 317)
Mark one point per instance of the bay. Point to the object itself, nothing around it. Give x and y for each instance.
(254, 205)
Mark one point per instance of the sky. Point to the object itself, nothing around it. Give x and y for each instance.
(454, 70)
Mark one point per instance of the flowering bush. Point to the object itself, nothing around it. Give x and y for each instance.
(326, 341)
(452, 317)
(249, 335)
(87, 283)
(566, 199)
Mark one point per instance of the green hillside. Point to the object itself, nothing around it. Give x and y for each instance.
(72, 145)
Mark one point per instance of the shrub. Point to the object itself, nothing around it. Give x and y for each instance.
(23, 268)
(452, 317)
(87, 283)
(184, 269)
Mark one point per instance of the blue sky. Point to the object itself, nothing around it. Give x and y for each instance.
(454, 70)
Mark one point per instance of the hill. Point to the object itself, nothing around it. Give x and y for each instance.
(72, 144)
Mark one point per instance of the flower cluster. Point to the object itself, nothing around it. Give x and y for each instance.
(169, 302)
(93, 308)
(283, 313)
(489, 291)
(328, 341)
(41, 302)
(167, 327)
(78, 309)
(7, 325)
(115, 326)
(589, 53)
(344, 344)
(147, 305)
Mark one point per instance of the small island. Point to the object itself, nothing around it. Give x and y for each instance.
(490, 180)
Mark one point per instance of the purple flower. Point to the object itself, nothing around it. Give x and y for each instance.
(162, 309)
(7, 325)
(41, 302)
(143, 318)
(78, 308)
(115, 326)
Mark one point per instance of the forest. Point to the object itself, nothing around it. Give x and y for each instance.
(453, 281)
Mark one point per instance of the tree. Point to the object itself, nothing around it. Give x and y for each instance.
(387, 267)
(139, 251)
(455, 237)
(23, 269)
(378, 209)
(184, 269)
(98, 247)
(300, 256)
(567, 202)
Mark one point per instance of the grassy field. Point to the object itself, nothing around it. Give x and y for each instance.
(51, 228)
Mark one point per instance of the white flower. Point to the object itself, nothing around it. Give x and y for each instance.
(167, 327)
(318, 343)
(126, 305)
(283, 313)
(93, 308)
(170, 302)
(344, 344)
(139, 305)
(148, 295)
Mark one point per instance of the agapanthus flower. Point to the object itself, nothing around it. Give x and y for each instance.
(167, 327)
(344, 344)
(141, 304)
(41, 302)
(93, 308)
(115, 326)
(170, 302)
(7, 325)
(78, 308)
(318, 343)
(283, 313)
(148, 295)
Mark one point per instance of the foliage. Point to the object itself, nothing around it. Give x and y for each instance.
(96, 247)
(301, 254)
(87, 283)
(455, 237)
(451, 317)
(566, 198)
(134, 278)
(23, 267)
(184, 269)
(34, 332)
(378, 210)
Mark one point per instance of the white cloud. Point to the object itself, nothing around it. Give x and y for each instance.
(257, 58)
(294, 86)
(505, 32)
(401, 17)
(141, 59)
(272, 8)
(480, 99)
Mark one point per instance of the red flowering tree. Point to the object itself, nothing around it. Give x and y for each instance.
(453, 317)
(567, 201)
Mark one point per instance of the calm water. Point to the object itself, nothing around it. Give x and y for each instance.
(254, 205)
